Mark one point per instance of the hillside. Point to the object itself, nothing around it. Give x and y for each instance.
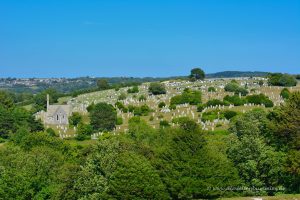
(231, 74)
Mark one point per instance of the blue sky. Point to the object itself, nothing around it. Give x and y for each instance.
(70, 38)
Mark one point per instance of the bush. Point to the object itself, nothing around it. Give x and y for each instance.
(215, 102)
(50, 132)
(234, 87)
(157, 88)
(235, 100)
(164, 123)
(84, 129)
(188, 96)
(241, 91)
(200, 107)
(228, 114)
(134, 89)
(211, 89)
(285, 93)
(119, 121)
(231, 87)
(212, 115)
(142, 98)
(172, 107)
(260, 99)
(161, 104)
(145, 109)
(122, 96)
(139, 111)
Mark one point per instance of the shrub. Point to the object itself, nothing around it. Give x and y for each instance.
(242, 91)
(142, 98)
(285, 93)
(172, 107)
(119, 121)
(50, 132)
(212, 115)
(228, 114)
(134, 89)
(211, 89)
(164, 123)
(122, 96)
(188, 96)
(260, 99)
(200, 107)
(234, 87)
(161, 104)
(157, 88)
(235, 100)
(231, 87)
(215, 102)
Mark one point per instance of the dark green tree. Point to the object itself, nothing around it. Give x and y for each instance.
(103, 117)
(197, 73)
(75, 119)
(285, 93)
(103, 84)
(157, 88)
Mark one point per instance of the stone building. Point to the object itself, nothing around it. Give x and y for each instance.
(57, 114)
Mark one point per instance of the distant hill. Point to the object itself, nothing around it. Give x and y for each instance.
(66, 85)
(229, 74)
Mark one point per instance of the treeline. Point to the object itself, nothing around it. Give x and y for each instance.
(71, 85)
(232, 74)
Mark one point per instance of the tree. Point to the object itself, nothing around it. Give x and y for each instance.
(231, 87)
(278, 79)
(197, 73)
(134, 177)
(103, 117)
(6, 100)
(75, 119)
(157, 88)
(258, 163)
(285, 93)
(40, 100)
(102, 84)
(84, 131)
(287, 122)
(114, 172)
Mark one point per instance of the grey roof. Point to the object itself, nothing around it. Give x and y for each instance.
(52, 109)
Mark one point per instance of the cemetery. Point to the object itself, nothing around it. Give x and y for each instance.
(213, 98)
